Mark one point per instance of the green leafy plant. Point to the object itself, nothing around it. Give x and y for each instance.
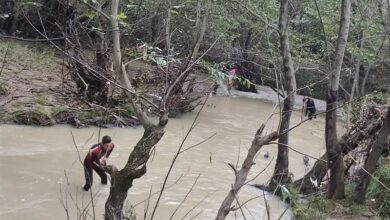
(384, 209)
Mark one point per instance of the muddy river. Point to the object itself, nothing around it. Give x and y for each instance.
(41, 174)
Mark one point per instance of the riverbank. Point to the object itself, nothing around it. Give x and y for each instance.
(375, 207)
(35, 89)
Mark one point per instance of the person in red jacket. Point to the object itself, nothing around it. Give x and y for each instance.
(95, 159)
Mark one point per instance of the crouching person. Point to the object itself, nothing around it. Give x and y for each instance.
(95, 160)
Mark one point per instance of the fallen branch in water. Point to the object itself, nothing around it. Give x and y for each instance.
(240, 177)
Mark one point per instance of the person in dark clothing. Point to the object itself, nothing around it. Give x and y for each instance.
(95, 159)
(310, 107)
(215, 88)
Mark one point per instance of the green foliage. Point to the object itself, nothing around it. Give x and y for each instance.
(34, 116)
(41, 100)
(292, 195)
(132, 53)
(129, 111)
(86, 116)
(378, 98)
(384, 209)
(215, 70)
(121, 16)
(90, 14)
(219, 73)
(315, 208)
(32, 57)
(362, 103)
(311, 81)
(58, 109)
(378, 192)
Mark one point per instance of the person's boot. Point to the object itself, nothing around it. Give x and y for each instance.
(84, 188)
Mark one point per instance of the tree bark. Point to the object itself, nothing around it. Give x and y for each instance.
(347, 143)
(168, 30)
(241, 175)
(202, 31)
(281, 168)
(355, 83)
(363, 85)
(353, 89)
(335, 157)
(135, 167)
(121, 181)
(372, 160)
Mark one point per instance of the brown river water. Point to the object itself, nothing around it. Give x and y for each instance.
(35, 160)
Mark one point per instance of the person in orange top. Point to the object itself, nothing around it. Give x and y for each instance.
(95, 159)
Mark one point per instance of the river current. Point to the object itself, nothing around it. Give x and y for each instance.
(41, 175)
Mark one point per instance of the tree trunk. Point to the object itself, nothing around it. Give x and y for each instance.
(202, 31)
(363, 86)
(281, 168)
(14, 19)
(168, 31)
(135, 167)
(121, 181)
(335, 157)
(115, 201)
(355, 85)
(372, 160)
(353, 89)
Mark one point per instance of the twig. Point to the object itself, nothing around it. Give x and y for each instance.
(195, 145)
(147, 203)
(197, 204)
(196, 215)
(297, 151)
(127, 63)
(78, 154)
(269, 163)
(181, 76)
(285, 210)
(96, 9)
(238, 203)
(176, 156)
(266, 206)
(145, 200)
(238, 156)
(31, 40)
(184, 199)
(120, 119)
(247, 201)
(372, 176)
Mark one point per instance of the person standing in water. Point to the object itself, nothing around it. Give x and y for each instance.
(95, 159)
(309, 106)
(231, 78)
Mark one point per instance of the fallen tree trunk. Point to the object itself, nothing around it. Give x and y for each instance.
(347, 143)
(371, 162)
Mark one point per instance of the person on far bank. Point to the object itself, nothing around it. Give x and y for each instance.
(310, 107)
(95, 160)
(232, 77)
